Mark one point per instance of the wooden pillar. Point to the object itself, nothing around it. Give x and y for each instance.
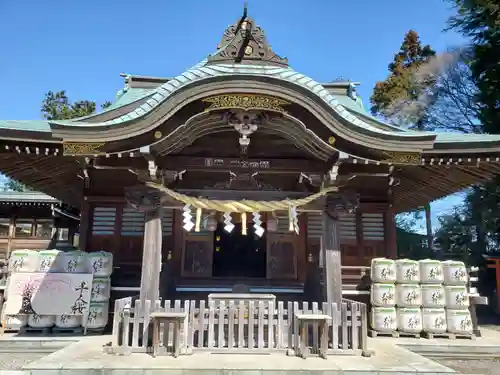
(391, 242)
(151, 257)
(331, 258)
(85, 224)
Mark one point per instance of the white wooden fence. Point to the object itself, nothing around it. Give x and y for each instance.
(239, 326)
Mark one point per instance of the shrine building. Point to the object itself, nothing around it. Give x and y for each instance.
(239, 171)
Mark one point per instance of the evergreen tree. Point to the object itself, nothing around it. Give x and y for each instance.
(57, 106)
(399, 97)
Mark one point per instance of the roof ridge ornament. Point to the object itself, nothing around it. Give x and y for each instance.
(245, 42)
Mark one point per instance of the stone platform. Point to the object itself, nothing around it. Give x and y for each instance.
(392, 356)
(86, 356)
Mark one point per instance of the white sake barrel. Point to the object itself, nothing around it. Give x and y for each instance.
(432, 295)
(407, 271)
(383, 319)
(456, 297)
(101, 289)
(23, 261)
(454, 272)
(100, 263)
(409, 319)
(7, 283)
(41, 321)
(431, 271)
(408, 295)
(68, 321)
(47, 261)
(13, 322)
(98, 315)
(434, 320)
(72, 262)
(383, 270)
(383, 295)
(459, 321)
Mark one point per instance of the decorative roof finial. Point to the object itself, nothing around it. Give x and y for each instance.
(245, 42)
(245, 9)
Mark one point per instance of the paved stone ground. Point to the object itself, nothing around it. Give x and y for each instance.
(472, 366)
(15, 361)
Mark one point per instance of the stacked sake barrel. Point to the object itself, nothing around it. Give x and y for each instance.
(100, 263)
(458, 318)
(20, 261)
(382, 297)
(433, 297)
(408, 297)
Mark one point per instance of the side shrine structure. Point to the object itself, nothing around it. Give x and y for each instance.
(240, 170)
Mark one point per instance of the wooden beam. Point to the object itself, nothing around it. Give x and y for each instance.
(221, 164)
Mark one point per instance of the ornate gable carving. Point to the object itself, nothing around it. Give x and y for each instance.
(245, 42)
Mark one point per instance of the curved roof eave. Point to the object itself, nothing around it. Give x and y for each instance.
(202, 71)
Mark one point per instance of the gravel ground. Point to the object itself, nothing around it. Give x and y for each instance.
(472, 366)
(14, 361)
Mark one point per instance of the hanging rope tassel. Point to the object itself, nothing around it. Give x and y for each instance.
(290, 219)
(198, 220)
(244, 223)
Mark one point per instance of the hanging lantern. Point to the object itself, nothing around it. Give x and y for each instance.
(272, 223)
(211, 223)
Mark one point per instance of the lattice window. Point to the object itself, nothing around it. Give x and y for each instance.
(167, 222)
(373, 226)
(103, 221)
(283, 223)
(347, 226)
(132, 222)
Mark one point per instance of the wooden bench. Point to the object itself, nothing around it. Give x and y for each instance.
(167, 317)
(302, 336)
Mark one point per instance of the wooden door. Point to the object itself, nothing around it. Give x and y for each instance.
(282, 251)
(198, 254)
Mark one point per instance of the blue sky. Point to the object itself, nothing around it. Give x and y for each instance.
(83, 46)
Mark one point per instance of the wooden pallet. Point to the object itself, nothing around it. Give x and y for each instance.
(10, 329)
(394, 334)
(43, 331)
(95, 331)
(67, 330)
(448, 335)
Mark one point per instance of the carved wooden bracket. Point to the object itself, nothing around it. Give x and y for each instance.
(144, 198)
(333, 177)
(345, 202)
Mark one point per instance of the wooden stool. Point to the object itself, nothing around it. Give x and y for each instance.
(301, 343)
(167, 317)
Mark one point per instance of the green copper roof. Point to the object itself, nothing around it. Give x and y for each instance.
(28, 196)
(350, 109)
(448, 137)
(202, 71)
(129, 95)
(26, 125)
